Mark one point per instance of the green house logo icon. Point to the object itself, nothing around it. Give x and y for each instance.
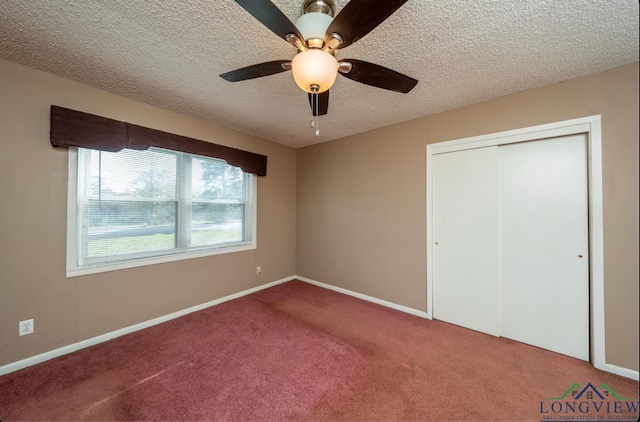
(590, 392)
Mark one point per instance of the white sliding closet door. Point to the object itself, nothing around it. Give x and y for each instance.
(465, 216)
(544, 244)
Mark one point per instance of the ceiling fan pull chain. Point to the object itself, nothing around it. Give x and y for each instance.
(317, 112)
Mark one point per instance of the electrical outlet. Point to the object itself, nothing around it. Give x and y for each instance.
(258, 270)
(25, 327)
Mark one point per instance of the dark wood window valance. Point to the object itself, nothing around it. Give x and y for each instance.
(77, 129)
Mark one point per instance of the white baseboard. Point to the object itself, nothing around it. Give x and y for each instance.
(623, 372)
(15, 366)
(375, 300)
(21, 364)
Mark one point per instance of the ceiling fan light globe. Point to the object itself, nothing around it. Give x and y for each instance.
(314, 70)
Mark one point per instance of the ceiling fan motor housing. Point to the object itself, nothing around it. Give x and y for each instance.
(316, 18)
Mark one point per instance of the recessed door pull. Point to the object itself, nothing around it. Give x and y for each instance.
(579, 256)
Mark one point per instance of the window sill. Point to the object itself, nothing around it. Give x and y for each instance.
(121, 265)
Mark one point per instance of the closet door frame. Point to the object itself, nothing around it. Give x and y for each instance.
(591, 126)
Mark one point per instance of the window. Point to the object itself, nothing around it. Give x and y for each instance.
(132, 208)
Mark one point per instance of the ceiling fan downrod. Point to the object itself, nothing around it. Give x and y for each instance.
(319, 6)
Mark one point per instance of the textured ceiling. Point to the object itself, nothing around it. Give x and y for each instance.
(170, 53)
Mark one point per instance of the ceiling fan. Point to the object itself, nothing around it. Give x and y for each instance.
(317, 36)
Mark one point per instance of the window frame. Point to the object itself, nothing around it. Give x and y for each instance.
(74, 220)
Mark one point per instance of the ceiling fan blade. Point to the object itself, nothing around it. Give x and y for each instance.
(378, 76)
(257, 71)
(359, 17)
(323, 103)
(270, 16)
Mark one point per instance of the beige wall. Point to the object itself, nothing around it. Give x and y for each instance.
(361, 200)
(360, 210)
(33, 193)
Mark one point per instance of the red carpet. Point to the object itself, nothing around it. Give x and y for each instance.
(300, 352)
